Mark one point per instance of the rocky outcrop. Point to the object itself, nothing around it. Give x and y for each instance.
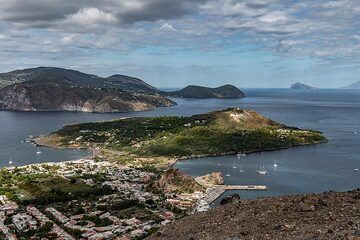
(173, 180)
(209, 180)
(235, 198)
(58, 93)
(226, 91)
(324, 216)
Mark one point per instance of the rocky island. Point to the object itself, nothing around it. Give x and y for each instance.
(225, 91)
(355, 85)
(301, 86)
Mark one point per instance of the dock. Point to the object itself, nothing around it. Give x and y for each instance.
(216, 191)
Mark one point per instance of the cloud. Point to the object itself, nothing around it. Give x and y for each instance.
(90, 16)
(167, 27)
(322, 29)
(44, 13)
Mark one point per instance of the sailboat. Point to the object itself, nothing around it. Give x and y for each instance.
(11, 161)
(234, 165)
(241, 170)
(228, 174)
(262, 171)
(275, 164)
(38, 151)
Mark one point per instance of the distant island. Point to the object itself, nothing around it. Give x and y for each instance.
(301, 86)
(225, 91)
(58, 89)
(355, 85)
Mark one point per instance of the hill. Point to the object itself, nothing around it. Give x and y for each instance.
(301, 86)
(226, 91)
(328, 215)
(160, 140)
(67, 90)
(354, 86)
(118, 82)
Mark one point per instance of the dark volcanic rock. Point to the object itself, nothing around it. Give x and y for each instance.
(226, 91)
(324, 216)
(230, 199)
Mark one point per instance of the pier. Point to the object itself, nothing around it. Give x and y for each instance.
(216, 191)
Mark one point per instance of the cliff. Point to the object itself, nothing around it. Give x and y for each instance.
(59, 92)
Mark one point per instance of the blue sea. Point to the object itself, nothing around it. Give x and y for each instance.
(318, 168)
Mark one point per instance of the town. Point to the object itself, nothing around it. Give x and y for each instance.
(132, 207)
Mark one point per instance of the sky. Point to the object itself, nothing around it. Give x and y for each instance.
(168, 43)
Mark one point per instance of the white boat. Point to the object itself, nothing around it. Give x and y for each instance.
(10, 162)
(355, 133)
(234, 165)
(228, 175)
(241, 171)
(38, 151)
(275, 164)
(356, 169)
(262, 171)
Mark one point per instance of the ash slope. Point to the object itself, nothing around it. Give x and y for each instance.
(328, 215)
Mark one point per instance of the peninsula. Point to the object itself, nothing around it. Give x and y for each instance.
(162, 140)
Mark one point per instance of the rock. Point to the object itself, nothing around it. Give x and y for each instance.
(209, 180)
(230, 199)
(307, 207)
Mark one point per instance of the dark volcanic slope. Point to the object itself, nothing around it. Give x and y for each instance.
(226, 91)
(328, 215)
(59, 92)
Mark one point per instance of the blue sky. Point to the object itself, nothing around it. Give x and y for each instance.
(258, 43)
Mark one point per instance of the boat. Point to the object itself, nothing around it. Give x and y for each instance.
(10, 162)
(262, 171)
(241, 171)
(355, 133)
(356, 169)
(234, 165)
(38, 151)
(275, 164)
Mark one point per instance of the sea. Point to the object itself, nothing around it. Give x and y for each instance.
(307, 169)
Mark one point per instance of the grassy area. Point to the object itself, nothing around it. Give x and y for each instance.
(158, 138)
(43, 188)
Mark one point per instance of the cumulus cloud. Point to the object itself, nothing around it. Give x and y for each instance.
(324, 29)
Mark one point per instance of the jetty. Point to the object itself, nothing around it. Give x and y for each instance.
(217, 190)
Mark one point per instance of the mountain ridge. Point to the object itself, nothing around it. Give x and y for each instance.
(60, 90)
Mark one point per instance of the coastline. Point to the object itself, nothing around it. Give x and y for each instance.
(94, 153)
